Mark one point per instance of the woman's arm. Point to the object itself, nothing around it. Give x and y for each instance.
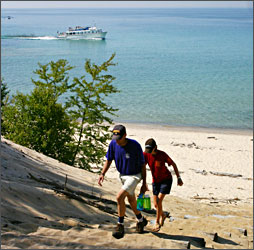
(179, 179)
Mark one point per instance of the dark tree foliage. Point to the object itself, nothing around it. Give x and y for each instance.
(4, 102)
(37, 120)
(74, 132)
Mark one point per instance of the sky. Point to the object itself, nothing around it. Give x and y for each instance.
(126, 4)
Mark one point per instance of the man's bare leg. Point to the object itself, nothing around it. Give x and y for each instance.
(121, 203)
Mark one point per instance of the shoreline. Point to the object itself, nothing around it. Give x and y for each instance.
(215, 164)
(187, 128)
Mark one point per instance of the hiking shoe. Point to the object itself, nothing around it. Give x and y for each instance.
(118, 233)
(140, 225)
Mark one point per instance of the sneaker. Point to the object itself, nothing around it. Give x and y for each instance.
(140, 225)
(119, 231)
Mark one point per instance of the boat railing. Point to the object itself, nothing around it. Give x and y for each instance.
(79, 30)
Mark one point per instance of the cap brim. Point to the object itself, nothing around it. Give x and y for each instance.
(116, 137)
(148, 150)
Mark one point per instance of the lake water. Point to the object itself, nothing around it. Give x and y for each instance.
(181, 67)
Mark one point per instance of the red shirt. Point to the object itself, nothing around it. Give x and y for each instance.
(157, 165)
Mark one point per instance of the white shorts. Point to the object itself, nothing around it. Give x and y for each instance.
(130, 182)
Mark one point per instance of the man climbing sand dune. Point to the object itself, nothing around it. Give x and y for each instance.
(129, 160)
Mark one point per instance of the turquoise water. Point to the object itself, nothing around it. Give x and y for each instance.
(182, 67)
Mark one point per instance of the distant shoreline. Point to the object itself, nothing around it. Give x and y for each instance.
(187, 128)
(215, 164)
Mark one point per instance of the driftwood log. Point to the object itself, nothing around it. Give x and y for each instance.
(226, 174)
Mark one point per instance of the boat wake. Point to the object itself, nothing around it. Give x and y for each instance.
(43, 38)
(32, 37)
(29, 37)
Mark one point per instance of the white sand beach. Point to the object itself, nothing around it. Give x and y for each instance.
(42, 209)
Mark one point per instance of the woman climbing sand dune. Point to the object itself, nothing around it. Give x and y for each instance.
(162, 178)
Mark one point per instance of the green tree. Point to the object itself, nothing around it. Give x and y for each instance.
(4, 93)
(55, 76)
(74, 132)
(37, 120)
(4, 102)
(89, 106)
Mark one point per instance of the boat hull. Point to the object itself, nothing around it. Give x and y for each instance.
(99, 36)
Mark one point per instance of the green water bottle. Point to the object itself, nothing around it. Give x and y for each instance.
(140, 202)
(147, 202)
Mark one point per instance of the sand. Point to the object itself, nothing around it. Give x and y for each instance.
(42, 209)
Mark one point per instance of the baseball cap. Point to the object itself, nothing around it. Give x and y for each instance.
(150, 145)
(118, 132)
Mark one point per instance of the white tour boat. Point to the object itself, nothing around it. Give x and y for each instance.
(82, 33)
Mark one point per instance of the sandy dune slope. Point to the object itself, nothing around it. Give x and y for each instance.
(42, 209)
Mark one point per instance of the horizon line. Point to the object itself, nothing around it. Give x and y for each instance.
(175, 7)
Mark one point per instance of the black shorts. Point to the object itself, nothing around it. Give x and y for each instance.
(163, 187)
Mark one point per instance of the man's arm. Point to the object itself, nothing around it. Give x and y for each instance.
(103, 172)
(144, 187)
